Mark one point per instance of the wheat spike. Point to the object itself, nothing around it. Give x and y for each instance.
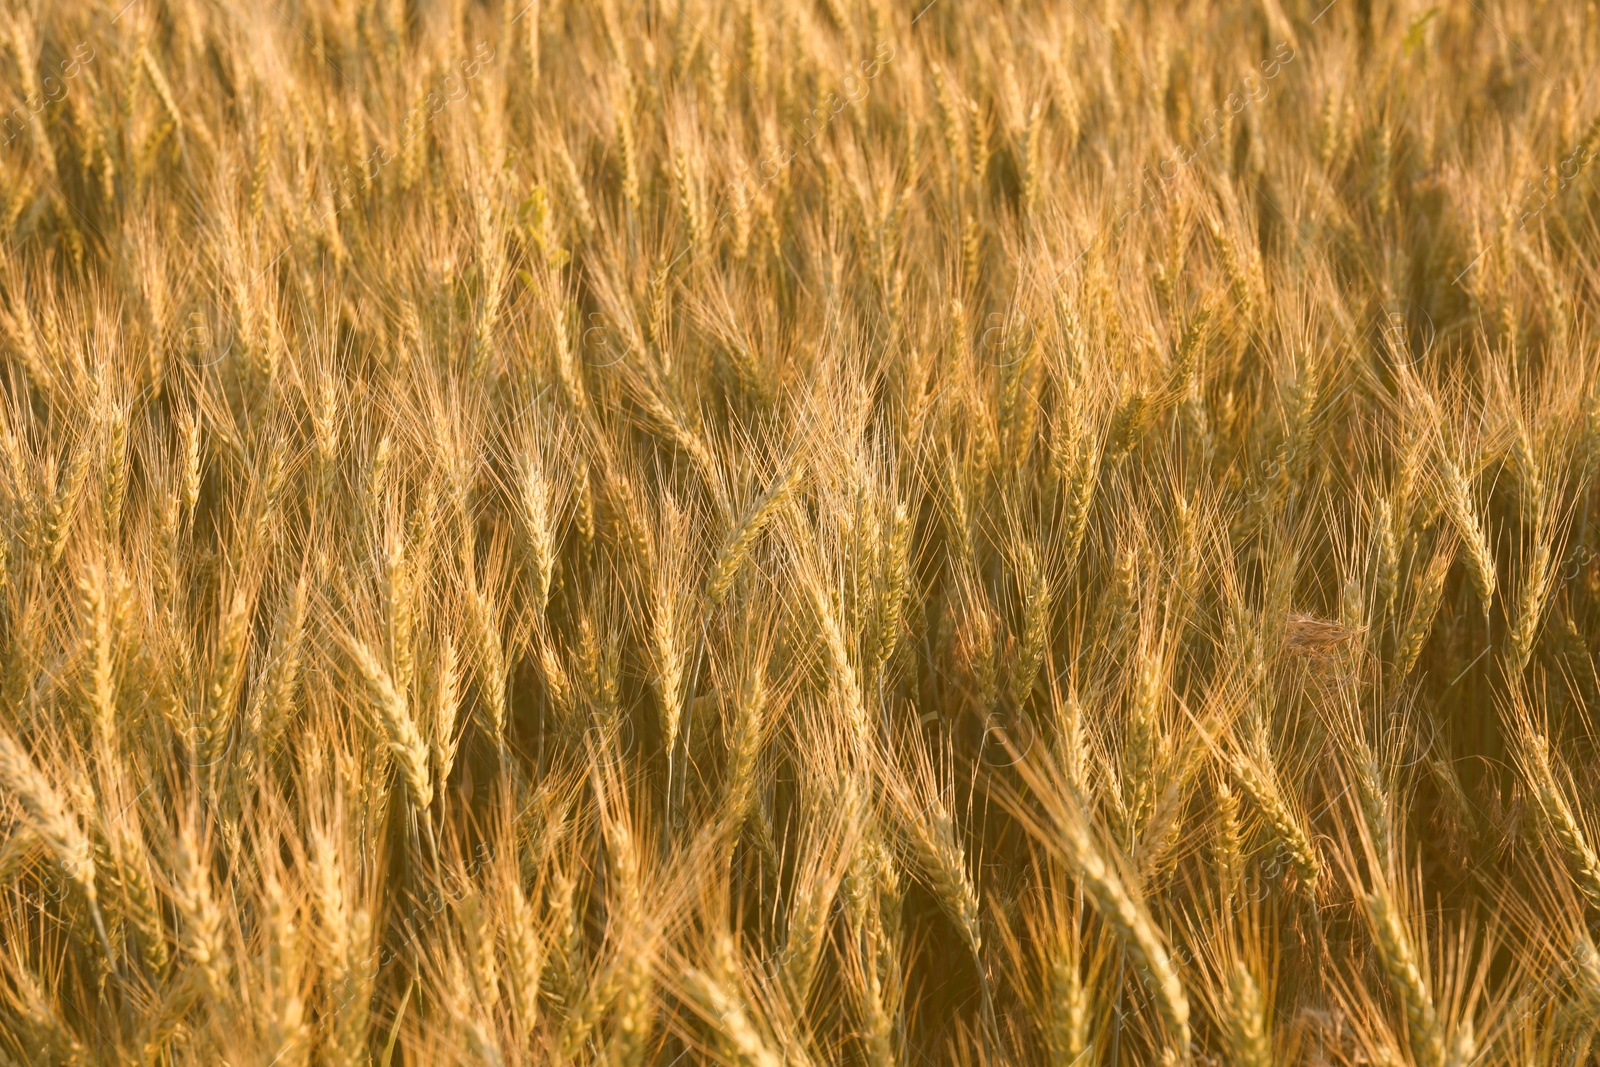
(1464, 516)
(1262, 788)
(743, 536)
(1400, 962)
(1558, 815)
(525, 960)
(201, 918)
(728, 1013)
(1106, 888)
(47, 813)
(400, 731)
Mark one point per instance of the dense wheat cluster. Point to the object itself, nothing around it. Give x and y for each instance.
(659, 531)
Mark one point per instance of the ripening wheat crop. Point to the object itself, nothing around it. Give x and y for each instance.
(837, 532)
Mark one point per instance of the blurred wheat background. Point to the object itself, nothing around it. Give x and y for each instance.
(650, 532)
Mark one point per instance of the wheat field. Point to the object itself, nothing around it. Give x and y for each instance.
(981, 532)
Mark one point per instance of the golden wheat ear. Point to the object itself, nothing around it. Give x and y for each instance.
(1069, 834)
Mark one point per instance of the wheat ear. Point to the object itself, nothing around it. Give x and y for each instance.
(1559, 816)
(1247, 1020)
(1464, 516)
(743, 536)
(47, 814)
(399, 728)
(1074, 839)
(1405, 978)
(726, 1009)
